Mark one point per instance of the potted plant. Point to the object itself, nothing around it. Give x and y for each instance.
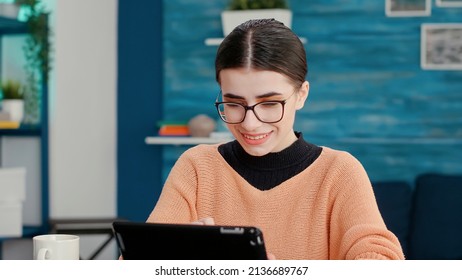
(13, 100)
(37, 50)
(240, 11)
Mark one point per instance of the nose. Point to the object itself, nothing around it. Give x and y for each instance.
(250, 122)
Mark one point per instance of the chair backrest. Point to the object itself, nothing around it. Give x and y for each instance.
(436, 231)
(394, 199)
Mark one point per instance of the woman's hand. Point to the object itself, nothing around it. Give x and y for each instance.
(204, 221)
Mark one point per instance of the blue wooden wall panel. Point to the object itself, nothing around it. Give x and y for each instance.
(139, 99)
(368, 94)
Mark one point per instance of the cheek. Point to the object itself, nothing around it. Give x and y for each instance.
(231, 127)
(287, 122)
(289, 113)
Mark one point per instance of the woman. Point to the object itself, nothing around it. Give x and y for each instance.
(310, 202)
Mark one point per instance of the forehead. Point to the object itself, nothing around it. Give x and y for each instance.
(244, 81)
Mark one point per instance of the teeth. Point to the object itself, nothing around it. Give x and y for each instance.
(255, 137)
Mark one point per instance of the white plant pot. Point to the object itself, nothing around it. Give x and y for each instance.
(15, 107)
(231, 19)
(9, 10)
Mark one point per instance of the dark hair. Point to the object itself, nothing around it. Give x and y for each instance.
(263, 44)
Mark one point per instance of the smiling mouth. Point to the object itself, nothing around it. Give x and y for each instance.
(256, 137)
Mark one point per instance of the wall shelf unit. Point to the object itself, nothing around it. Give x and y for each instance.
(186, 140)
(9, 27)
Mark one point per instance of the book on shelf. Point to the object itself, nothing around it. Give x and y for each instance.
(9, 124)
(174, 130)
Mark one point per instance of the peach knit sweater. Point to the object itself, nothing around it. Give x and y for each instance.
(327, 211)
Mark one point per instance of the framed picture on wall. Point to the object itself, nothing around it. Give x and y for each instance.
(408, 8)
(449, 3)
(441, 46)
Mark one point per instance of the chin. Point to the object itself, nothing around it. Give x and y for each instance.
(256, 151)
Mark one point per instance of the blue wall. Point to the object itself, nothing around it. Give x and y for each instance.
(368, 95)
(139, 106)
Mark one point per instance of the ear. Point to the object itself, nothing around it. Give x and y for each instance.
(302, 95)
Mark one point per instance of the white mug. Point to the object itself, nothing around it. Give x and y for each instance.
(56, 247)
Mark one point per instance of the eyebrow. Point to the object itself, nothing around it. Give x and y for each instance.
(265, 95)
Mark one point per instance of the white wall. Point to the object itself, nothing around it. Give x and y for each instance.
(83, 110)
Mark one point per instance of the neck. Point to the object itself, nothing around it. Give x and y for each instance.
(268, 171)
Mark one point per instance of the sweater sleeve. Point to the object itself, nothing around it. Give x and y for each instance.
(177, 202)
(357, 228)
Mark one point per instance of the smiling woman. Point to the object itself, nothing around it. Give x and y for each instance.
(310, 202)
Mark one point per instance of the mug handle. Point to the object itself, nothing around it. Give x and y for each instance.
(41, 255)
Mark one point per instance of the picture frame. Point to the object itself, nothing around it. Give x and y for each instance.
(441, 46)
(449, 3)
(408, 8)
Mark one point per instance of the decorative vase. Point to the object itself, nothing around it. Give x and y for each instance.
(15, 107)
(201, 126)
(231, 19)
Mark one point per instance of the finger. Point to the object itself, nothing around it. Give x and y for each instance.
(204, 221)
(271, 256)
(207, 221)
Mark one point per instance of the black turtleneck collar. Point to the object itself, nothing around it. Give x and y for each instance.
(266, 172)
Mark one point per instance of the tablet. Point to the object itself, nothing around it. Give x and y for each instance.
(154, 241)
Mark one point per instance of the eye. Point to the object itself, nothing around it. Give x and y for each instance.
(233, 105)
(269, 104)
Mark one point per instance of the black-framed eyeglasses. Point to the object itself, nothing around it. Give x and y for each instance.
(265, 111)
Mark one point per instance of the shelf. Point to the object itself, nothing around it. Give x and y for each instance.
(23, 130)
(180, 140)
(217, 41)
(10, 26)
(183, 140)
(213, 41)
